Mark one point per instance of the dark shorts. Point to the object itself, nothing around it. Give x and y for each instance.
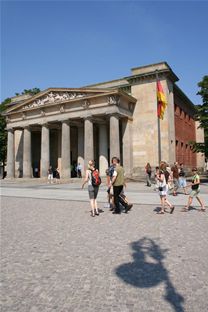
(93, 191)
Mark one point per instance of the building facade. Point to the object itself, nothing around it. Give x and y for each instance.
(63, 126)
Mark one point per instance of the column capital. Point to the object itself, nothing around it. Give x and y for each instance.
(10, 130)
(45, 124)
(116, 115)
(90, 118)
(27, 127)
(65, 121)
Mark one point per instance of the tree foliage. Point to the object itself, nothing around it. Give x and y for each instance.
(202, 117)
(3, 132)
(29, 91)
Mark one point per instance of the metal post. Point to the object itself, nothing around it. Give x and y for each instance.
(158, 123)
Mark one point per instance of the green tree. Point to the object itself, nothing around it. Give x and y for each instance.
(202, 117)
(3, 132)
(30, 91)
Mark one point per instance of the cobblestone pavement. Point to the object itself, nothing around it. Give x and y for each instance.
(137, 192)
(55, 257)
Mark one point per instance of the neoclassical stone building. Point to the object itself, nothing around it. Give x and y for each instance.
(60, 126)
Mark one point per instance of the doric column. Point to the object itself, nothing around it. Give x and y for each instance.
(10, 153)
(80, 158)
(27, 170)
(59, 147)
(65, 150)
(127, 145)
(45, 150)
(114, 137)
(103, 149)
(88, 141)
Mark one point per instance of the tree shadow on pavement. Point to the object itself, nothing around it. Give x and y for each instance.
(148, 270)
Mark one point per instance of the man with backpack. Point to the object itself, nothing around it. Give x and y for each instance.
(118, 183)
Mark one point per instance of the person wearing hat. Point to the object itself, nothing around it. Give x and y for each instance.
(195, 190)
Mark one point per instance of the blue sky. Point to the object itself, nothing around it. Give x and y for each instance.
(75, 43)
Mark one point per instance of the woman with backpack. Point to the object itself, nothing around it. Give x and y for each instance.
(93, 179)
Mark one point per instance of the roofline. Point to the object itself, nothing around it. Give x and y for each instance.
(101, 83)
(153, 64)
(168, 70)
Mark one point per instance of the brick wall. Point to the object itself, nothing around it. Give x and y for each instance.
(184, 132)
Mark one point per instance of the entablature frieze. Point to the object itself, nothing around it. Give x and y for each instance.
(90, 113)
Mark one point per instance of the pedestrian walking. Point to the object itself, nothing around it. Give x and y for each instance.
(57, 175)
(163, 189)
(157, 169)
(109, 175)
(79, 170)
(50, 175)
(148, 171)
(195, 190)
(109, 190)
(118, 183)
(175, 174)
(182, 179)
(93, 180)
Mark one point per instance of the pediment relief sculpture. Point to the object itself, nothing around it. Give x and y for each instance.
(54, 97)
(62, 109)
(24, 116)
(114, 100)
(86, 104)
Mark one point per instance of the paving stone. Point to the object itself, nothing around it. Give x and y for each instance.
(55, 257)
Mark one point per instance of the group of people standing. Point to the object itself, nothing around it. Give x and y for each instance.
(167, 178)
(53, 175)
(115, 185)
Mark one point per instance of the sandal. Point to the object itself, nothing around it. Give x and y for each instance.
(202, 210)
(185, 209)
(161, 212)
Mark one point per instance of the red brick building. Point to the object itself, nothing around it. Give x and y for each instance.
(185, 129)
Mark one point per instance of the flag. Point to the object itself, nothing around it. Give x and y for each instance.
(161, 101)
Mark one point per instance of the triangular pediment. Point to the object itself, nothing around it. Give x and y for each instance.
(55, 96)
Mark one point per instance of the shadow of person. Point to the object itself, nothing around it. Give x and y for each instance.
(147, 270)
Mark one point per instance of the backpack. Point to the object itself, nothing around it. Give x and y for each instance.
(111, 171)
(149, 170)
(96, 180)
(167, 174)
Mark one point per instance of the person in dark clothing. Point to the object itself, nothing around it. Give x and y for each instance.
(148, 170)
(118, 183)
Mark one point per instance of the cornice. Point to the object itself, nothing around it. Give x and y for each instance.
(163, 73)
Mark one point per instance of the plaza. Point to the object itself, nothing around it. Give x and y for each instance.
(55, 257)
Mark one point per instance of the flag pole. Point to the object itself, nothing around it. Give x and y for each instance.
(158, 124)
